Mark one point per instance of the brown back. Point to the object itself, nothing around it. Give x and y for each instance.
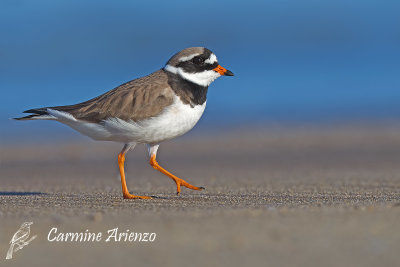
(135, 100)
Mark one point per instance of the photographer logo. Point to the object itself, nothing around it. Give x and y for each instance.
(20, 239)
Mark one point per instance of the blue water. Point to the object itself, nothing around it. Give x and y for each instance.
(293, 60)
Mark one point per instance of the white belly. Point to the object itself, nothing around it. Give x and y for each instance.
(174, 121)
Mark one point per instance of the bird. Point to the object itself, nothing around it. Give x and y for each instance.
(148, 110)
(20, 238)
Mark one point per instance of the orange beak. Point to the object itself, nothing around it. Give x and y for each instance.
(221, 70)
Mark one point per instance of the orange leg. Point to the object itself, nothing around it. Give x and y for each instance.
(125, 192)
(177, 180)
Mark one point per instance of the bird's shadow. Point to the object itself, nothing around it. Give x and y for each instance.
(21, 193)
(159, 197)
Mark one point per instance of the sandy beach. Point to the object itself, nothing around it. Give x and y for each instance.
(294, 196)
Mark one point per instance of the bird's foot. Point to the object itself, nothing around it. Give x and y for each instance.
(180, 182)
(130, 196)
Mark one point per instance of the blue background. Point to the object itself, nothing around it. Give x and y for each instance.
(294, 61)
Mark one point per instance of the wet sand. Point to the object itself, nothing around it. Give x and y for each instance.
(274, 197)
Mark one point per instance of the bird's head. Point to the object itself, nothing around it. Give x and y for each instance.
(26, 224)
(196, 64)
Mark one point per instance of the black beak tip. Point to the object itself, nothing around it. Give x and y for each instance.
(229, 73)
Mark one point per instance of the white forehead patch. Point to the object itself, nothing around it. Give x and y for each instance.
(212, 59)
(182, 59)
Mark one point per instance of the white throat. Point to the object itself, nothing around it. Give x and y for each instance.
(204, 78)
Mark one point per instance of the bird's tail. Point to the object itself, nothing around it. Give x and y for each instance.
(37, 114)
(10, 252)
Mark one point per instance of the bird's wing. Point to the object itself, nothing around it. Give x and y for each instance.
(135, 100)
(21, 234)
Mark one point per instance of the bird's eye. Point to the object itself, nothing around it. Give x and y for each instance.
(198, 60)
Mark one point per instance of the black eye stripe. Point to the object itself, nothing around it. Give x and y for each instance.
(197, 64)
(198, 60)
(189, 67)
(211, 66)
